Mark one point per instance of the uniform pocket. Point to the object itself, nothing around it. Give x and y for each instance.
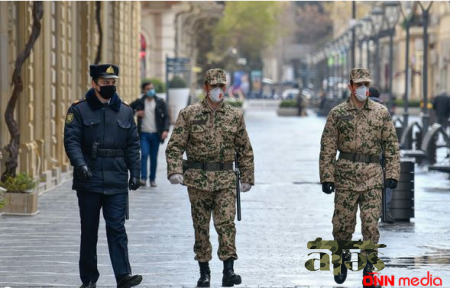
(228, 135)
(123, 124)
(197, 128)
(91, 122)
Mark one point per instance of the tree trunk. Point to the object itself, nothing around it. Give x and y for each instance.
(13, 147)
(100, 33)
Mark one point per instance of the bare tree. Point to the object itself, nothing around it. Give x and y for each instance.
(98, 7)
(13, 147)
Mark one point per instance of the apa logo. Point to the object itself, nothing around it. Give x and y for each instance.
(337, 247)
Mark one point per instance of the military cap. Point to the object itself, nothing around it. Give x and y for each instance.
(104, 71)
(359, 75)
(216, 76)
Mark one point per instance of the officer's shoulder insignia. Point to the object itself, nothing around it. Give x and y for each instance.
(79, 101)
(69, 118)
(126, 103)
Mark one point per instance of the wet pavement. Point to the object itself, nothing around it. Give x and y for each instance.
(284, 211)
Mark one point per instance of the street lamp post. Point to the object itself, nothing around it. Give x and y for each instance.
(407, 12)
(392, 16)
(368, 31)
(377, 20)
(425, 6)
(359, 31)
(329, 62)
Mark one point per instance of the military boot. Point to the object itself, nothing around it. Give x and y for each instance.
(368, 279)
(205, 275)
(230, 279)
(339, 279)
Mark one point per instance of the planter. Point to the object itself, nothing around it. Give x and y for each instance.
(21, 203)
(287, 111)
(178, 99)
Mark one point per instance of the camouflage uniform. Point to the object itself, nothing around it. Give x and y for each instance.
(209, 136)
(367, 131)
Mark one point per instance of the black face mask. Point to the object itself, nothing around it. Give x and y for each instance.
(107, 91)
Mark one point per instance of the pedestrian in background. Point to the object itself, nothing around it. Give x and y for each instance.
(374, 95)
(153, 128)
(101, 141)
(360, 130)
(441, 104)
(211, 133)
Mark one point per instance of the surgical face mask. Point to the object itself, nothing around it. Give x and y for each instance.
(107, 91)
(151, 93)
(361, 93)
(216, 95)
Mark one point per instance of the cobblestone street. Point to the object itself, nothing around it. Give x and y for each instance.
(284, 211)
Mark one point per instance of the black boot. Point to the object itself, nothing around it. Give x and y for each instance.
(128, 280)
(366, 282)
(339, 279)
(89, 285)
(205, 275)
(230, 279)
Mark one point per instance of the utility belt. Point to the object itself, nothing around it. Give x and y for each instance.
(355, 157)
(95, 152)
(207, 166)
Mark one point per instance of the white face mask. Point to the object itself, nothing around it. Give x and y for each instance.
(361, 93)
(216, 95)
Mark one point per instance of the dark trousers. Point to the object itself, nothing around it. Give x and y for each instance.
(149, 147)
(114, 210)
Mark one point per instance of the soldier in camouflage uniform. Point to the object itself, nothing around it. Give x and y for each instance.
(211, 132)
(360, 129)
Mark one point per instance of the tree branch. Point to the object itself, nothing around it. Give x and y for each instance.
(13, 147)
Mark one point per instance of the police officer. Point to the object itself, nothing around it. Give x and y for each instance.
(101, 141)
(211, 132)
(360, 130)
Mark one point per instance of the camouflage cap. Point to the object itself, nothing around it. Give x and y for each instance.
(359, 75)
(216, 76)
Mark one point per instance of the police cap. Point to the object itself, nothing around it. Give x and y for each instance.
(106, 71)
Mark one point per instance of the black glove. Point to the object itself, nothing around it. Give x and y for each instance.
(134, 183)
(391, 183)
(328, 187)
(84, 173)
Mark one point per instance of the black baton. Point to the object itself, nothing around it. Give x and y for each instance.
(238, 188)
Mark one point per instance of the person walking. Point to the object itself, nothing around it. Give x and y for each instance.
(360, 130)
(153, 128)
(211, 133)
(101, 141)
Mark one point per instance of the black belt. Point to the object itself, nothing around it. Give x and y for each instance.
(355, 157)
(210, 166)
(106, 152)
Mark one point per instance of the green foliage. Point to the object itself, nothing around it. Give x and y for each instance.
(2, 201)
(250, 27)
(411, 103)
(235, 103)
(159, 85)
(177, 82)
(289, 103)
(21, 183)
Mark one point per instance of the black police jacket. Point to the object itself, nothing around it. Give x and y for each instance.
(112, 126)
(441, 104)
(161, 114)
